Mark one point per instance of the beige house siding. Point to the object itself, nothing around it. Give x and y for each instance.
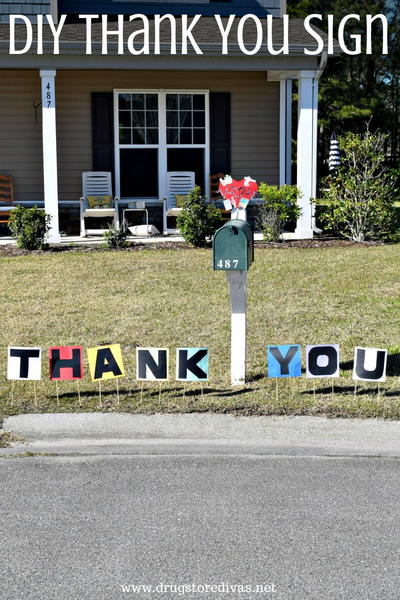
(20, 136)
(255, 122)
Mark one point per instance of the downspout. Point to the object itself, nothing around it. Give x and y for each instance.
(321, 67)
(322, 64)
(54, 10)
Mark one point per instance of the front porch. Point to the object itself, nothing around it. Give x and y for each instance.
(225, 114)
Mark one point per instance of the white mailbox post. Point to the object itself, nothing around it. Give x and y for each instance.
(233, 252)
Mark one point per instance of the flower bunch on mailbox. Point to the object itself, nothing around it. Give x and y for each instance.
(237, 194)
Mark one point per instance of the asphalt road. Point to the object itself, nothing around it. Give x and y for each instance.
(82, 526)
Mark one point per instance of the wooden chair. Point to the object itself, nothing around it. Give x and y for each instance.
(216, 196)
(6, 197)
(97, 200)
(214, 184)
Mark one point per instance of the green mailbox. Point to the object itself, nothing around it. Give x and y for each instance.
(233, 246)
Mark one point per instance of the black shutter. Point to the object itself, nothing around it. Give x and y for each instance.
(103, 131)
(220, 134)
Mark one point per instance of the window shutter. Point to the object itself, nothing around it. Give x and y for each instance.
(220, 132)
(102, 132)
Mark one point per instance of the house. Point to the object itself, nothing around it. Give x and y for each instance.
(140, 116)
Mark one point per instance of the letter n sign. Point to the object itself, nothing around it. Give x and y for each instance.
(152, 364)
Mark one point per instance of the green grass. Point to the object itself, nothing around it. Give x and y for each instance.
(170, 298)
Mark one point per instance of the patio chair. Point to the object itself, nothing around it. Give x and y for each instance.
(97, 200)
(179, 184)
(6, 198)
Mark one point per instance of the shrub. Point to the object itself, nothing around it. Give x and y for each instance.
(115, 238)
(29, 227)
(362, 192)
(198, 219)
(278, 208)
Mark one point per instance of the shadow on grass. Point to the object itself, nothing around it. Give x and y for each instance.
(346, 389)
(349, 389)
(256, 377)
(91, 394)
(175, 392)
(393, 365)
(392, 368)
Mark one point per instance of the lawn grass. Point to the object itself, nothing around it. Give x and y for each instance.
(172, 298)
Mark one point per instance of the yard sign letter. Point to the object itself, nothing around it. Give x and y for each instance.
(284, 361)
(105, 362)
(66, 363)
(369, 364)
(24, 363)
(152, 364)
(192, 364)
(322, 361)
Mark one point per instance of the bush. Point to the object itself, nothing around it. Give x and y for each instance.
(115, 238)
(278, 208)
(29, 227)
(362, 192)
(198, 220)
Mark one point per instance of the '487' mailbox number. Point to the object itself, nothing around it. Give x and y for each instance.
(233, 247)
(228, 263)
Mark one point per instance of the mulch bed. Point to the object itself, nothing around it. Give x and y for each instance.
(12, 250)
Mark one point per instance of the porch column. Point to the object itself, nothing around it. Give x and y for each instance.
(307, 149)
(285, 132)
(50, 176)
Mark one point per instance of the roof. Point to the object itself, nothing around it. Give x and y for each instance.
(206, 33)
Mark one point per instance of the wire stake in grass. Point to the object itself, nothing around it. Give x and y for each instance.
(379, 389)
(159, 393)
(333, 388)
(35, 394)
(315, 389)
(79, 393)
(116, 383)
(58, 396)
(141, 391)
(12, 393)
(202, 391)
(100, 400)
(276, 389)
(355, 390)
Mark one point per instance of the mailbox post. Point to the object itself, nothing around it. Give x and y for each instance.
(233, 252)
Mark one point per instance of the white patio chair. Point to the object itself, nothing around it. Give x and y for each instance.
(96, 190)
(179, 183)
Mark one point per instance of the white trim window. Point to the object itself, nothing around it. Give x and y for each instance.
(157, 131)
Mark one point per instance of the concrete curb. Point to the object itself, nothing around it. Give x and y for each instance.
(345, 435)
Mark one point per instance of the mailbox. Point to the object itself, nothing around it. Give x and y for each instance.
(233, 246)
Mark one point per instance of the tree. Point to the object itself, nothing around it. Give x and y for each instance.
(362, 88)
(361, 194)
